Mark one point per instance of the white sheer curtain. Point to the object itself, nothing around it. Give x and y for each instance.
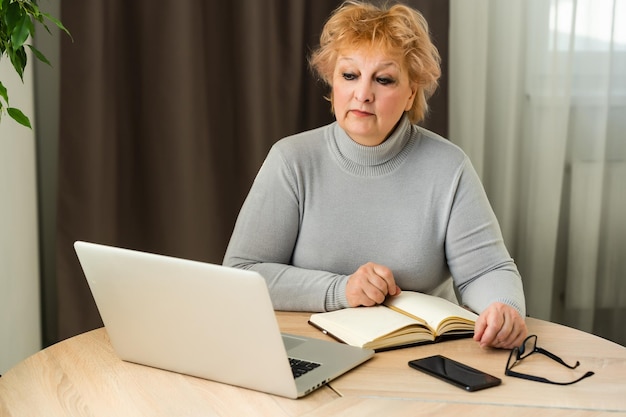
(538, 101)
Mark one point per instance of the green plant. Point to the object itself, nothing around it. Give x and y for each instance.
(17, 24)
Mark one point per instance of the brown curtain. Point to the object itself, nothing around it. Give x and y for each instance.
(168, 109)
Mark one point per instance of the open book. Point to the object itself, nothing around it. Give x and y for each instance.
(407, 319)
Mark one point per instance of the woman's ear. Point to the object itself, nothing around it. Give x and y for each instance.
(411, 99)
(413, 90)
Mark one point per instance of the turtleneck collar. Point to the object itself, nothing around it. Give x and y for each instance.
(372, 161)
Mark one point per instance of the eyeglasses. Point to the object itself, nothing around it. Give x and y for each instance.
(528, 347)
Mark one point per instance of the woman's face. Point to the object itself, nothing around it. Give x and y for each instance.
(371, 91)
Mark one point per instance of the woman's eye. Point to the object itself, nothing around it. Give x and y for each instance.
(384, 80)
(348, 76)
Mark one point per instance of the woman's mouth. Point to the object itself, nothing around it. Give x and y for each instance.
(360, 113)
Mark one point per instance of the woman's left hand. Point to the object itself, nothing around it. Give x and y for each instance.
(500, 326)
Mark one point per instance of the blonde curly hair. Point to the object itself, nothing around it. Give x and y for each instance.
(396, 30)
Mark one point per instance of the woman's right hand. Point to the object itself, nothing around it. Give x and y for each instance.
(370, 284)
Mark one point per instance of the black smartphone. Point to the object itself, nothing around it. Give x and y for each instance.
(456, 373)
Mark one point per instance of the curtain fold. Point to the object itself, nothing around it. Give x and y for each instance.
(167, 112)
(548, 136)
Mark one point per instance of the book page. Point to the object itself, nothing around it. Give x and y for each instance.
(360, 325)
(433, 310)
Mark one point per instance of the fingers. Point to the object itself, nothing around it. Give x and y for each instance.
(388, 283)
(480, 327)
(370, 284)
(500, 326)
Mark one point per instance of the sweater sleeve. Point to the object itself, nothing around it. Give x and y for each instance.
(479, 262)
(264, 237)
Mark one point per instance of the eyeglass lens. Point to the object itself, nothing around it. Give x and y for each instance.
(528, 347)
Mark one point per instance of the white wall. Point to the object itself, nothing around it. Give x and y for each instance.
(20, 322)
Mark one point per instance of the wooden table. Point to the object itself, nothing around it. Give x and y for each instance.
(82, 376)
(388, 379)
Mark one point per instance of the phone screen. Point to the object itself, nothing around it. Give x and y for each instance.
(454, 372)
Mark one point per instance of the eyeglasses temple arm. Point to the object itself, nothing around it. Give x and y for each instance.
(556, 358)
(544, 380)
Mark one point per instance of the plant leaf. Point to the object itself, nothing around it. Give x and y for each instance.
(18, 116)
(21, 31)
(58, 23)
(18, 59)
(39, 55)
(12, 16)
(4, 94)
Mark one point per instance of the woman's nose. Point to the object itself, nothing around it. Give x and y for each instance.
(364, 92)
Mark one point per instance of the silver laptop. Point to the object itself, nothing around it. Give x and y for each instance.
(205, 320)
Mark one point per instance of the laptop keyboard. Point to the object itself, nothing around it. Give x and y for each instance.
(300, 367)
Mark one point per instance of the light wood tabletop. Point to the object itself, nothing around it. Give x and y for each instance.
(82, 376)
(388, 375)
(377, 407)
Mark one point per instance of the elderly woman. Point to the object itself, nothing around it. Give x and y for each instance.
(350, 213)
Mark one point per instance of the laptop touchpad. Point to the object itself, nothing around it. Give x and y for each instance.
(292, 341)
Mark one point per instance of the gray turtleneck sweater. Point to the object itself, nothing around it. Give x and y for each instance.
(322, 205)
